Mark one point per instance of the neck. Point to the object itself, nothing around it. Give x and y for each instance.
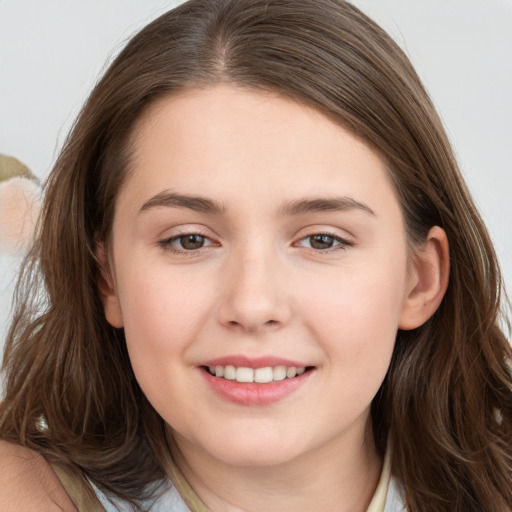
(339, 478)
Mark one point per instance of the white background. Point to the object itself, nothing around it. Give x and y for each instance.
(52, 52)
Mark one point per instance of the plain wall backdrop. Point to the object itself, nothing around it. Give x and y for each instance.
(52, 52)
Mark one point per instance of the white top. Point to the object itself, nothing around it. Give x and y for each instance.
(171, 501)
(388, 497)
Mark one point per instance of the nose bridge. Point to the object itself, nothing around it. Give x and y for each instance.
(254, 297)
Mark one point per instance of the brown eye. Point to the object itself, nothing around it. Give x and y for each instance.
(324, 242)
(321, 241)
(186, 243)
(191, 242)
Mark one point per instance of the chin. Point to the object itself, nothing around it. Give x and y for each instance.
(255, 452)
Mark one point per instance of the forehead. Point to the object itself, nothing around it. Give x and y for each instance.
(255, 144)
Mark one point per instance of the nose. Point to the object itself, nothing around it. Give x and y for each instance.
(254, 298)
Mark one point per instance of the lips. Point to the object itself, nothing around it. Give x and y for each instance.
(254, 381)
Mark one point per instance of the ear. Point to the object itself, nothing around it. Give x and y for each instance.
(428, 280)
(107, 289)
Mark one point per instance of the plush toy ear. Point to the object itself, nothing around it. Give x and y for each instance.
(19, 205)
(19, 209)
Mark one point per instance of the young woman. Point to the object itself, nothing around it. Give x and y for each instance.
(259, 284)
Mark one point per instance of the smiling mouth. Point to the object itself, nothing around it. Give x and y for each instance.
(256, 375)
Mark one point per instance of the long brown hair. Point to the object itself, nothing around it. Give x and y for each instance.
(446, 403)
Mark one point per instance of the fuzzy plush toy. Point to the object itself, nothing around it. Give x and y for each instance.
(19, 205)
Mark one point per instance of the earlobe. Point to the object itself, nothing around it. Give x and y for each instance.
(107, 289)
(428, 280)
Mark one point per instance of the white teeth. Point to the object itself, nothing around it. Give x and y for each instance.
(280, 373)
(264, 375)
(244, 375)
(229, 372)
(291, 372)
(258, 375)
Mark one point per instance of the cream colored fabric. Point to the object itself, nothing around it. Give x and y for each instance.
(379, 498)
(385, 499)
(81, 494)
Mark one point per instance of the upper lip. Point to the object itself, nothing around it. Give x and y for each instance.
(241, 361)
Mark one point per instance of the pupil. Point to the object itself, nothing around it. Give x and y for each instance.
(192, 241)
(321, 241)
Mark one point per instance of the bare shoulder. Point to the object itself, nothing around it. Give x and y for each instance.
(28, 483)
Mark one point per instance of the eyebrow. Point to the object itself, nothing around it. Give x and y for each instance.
(297, 207)
(321, 204)
(173, 200)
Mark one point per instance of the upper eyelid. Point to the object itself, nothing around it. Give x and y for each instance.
(339, 238)
(311, 231)
(338, 233)
(326, 228)
(197, 229)
(170, 239)
(342, 241)
(185, 233)
(168, 244)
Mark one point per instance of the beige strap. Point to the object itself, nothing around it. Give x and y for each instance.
(378, 502)
(80, 492)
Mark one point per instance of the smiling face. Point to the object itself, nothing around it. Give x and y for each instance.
(254, 238)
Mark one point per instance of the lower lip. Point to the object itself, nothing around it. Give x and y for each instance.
(252, 393)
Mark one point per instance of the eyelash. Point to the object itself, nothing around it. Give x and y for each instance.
(342, 243)
(167, 244)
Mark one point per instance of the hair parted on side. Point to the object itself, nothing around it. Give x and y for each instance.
(446, 403)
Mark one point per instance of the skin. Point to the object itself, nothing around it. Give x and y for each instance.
(258, 287)
(28, 482)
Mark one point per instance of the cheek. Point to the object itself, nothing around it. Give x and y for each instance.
(162, 317)
(356, 316)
